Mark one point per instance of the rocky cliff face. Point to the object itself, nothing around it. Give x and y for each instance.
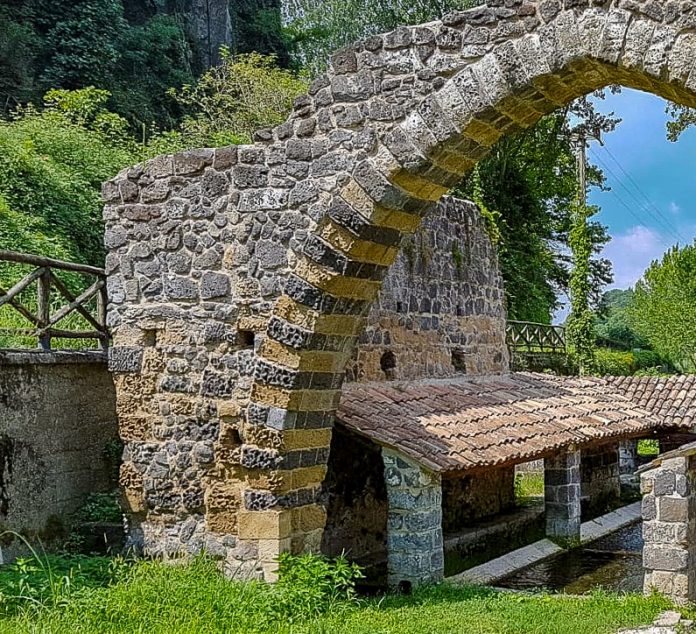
(208, 23)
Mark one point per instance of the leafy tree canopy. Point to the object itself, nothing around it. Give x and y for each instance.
(613, 325)
(664, 305)
(55, 160)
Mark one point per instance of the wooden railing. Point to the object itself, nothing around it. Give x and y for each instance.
(52, 300)
(525, 336)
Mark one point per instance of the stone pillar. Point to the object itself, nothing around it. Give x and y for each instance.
(414, 525)
(669, 528)
(628, 457)
(562, 496)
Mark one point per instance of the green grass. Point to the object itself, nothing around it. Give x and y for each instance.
(648, 447)
(154, 598)
(529, 487)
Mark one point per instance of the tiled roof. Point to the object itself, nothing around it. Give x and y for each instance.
(672, 399)
(468, 423)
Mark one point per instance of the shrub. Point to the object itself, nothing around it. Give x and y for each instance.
(310, 585)
(622, 363)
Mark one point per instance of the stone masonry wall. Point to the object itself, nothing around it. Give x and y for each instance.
(669, 528)
(240, 279)
(58, 413)
(415, 548)
(601, 485)
(441, 308)
(466, 499)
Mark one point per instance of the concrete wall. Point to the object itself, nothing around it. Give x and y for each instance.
(57, 415)
(467, 499)
(601, 485)
(441, 310)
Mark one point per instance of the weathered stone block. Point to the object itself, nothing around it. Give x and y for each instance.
(664, 557)
(672, 509)
(125, 359)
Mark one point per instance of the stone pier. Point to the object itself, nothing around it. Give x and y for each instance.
(669, 527)
(415, 552)
(628, 456)
(562, 496)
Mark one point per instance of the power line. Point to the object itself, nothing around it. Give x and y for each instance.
(642, 192)
(663, 224)
(628, 207)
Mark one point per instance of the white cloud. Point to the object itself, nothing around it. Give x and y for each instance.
(632, 252)
(674, 208)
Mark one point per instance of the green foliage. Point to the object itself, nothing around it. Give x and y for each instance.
(72, 44)
(231, 101)
(580, 324)
(154, 57)
(318, 28)
(648, 447)
(529, 487)
(18, 44)
(681, 119)
(100, 507)
(312, 585)
(530, 180)
(492, 218)
(80, 41)
(158, 598)
(258, 28)
(629, 363)
(664, 304)
(47, 582)
(54, 163)
(612, 322)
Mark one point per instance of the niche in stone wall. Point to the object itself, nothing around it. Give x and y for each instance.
(388, 364)
(246, 339)
(459, 360)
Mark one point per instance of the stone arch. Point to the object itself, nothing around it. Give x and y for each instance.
(398, 119)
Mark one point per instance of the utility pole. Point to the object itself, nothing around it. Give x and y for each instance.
(580, 327)
(582, 167)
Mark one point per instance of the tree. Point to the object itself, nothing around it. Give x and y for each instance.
(612, 322)
(682, 118)
(80, 41)
(18, 44)
(231, 101)
(54, 162)
(664, 306)
(530, 180)
(580, 325)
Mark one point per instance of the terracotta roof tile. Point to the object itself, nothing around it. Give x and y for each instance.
(470, 422)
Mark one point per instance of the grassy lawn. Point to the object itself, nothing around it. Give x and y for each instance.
(529, 487)
(154, 598)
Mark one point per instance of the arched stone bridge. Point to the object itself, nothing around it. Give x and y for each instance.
(239, 278)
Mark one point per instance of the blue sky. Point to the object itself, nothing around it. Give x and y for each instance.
(662, 173)
(654, 197)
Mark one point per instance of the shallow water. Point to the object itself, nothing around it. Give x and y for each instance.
(613, 563)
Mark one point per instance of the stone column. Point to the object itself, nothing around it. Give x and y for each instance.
(669, 529)
(628, 457)
(562, 496)
(414, 525)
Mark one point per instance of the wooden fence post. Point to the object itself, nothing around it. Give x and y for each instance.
(43, 311)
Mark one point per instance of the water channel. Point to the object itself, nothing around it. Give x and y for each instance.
(612, 563)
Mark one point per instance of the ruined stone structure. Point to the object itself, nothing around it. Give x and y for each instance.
(241, 278)
(441, 309)
(58, 416)
(669, 524)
